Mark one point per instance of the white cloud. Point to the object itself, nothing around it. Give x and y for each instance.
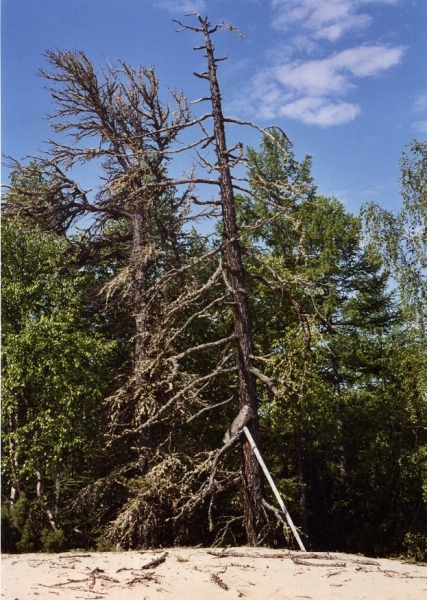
(420, 126)
(314, 77)
(324, 19)
(320, 111)
(181, 6)
(368, 61)
(304, 80)
(310, 91)
(335, 74)
(420, 107)
(420, 104)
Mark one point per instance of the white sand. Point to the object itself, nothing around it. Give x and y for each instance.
(210, 574)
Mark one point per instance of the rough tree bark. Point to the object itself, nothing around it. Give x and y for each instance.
(301, 479)
(256, 520)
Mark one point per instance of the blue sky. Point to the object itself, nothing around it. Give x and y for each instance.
(345, 79)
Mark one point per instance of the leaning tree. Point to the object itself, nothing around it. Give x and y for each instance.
(235, 247)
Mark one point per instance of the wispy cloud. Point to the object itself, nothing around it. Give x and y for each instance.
(320, 111)
(311, 91)
(323, 19)
(420, 107)
(420, 126)
(309, 81)
(420, 104)
(181, 6)
(336, 73)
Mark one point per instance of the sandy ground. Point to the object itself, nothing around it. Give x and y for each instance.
(210, 574)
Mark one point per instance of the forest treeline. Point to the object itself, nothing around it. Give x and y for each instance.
(141, 315)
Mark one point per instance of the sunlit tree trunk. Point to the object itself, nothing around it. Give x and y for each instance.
(15, 485)
(39, 493)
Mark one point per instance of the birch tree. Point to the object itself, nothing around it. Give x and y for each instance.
(54, 373)
(401, 236)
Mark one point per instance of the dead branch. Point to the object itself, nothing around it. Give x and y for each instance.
(209, 408)
(155, 562)
(279, 516)
(216, 579)
(302, 561)
(143, 579)
(239, 554)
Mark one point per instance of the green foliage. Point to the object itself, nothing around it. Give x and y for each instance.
(9, 532)
(55, 357)
(415, 546)
(402, 237)
(52, 355)
(343, 414)
(52, 541)
(349, 372)
(21, 525)
(104, 545)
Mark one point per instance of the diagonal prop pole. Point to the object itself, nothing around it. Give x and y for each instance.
(273, 487)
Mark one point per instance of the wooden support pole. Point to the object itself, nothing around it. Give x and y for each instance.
(273, 487)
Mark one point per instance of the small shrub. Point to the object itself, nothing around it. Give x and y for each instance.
(416, 546)
(104, 545)
(9, 533)
(52, 541)
(26, 543)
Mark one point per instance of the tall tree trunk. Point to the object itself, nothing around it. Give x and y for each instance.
(15, 485)
(140, 261)
(39, 493)
(301, 479)
(57, 491)
(336, 382)
(255, 518)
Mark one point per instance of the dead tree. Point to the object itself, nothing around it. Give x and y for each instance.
(116, 122)
(256, 520)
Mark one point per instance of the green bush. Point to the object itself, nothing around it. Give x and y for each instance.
(104, 545)
(416, 546)
(9, 533)
(52, 541)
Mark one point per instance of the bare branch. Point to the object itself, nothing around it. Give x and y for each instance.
(209, 409)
